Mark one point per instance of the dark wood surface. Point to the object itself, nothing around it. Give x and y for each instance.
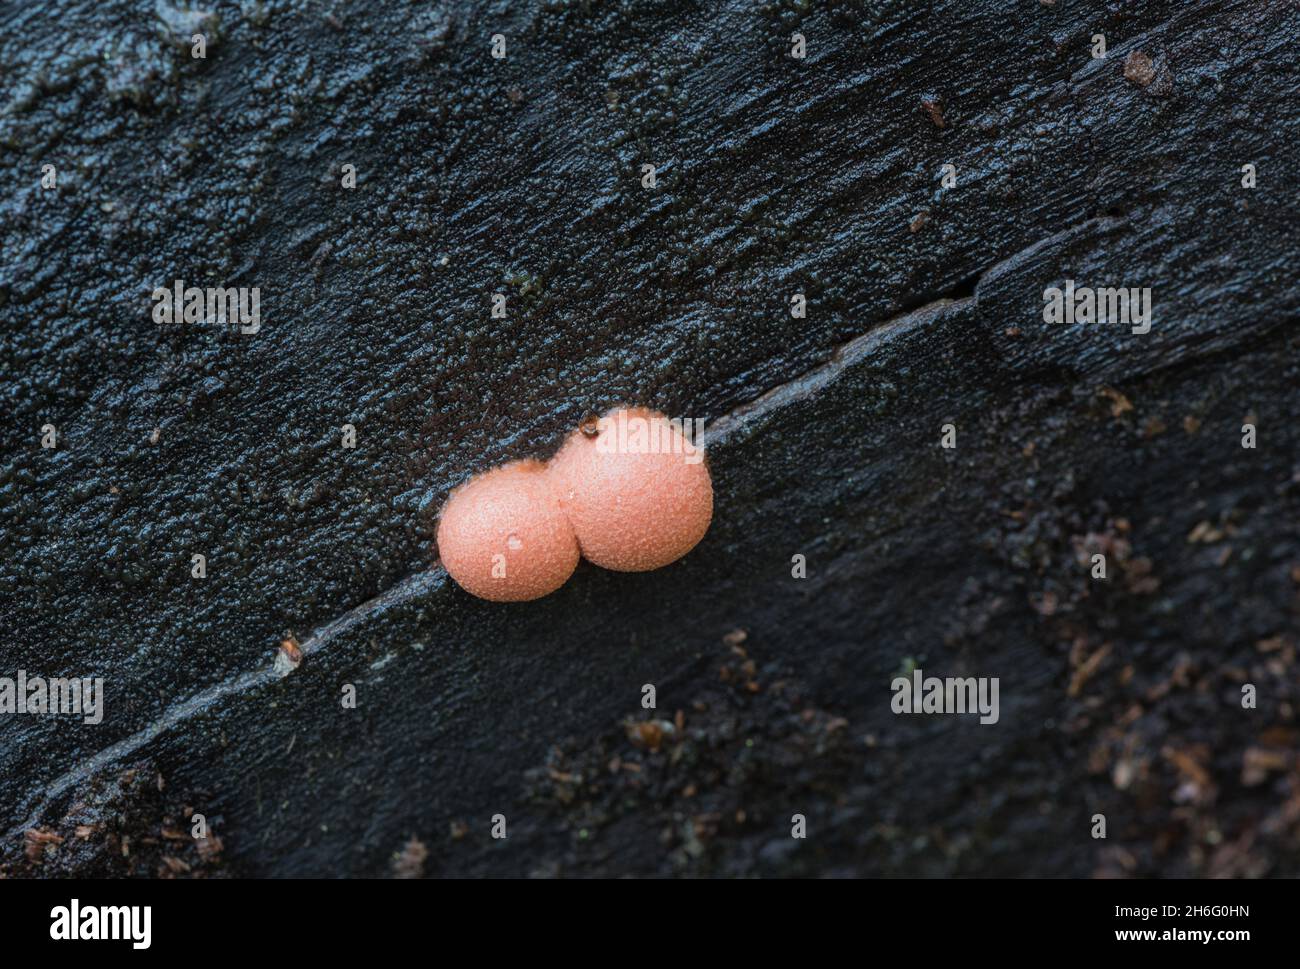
(775, 176)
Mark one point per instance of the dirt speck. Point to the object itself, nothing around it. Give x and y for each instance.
(409, 862)
(933, 108)
(1139, 69)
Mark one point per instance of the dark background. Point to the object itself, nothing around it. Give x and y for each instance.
(775, 176)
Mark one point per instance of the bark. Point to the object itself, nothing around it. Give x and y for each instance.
(774, 176)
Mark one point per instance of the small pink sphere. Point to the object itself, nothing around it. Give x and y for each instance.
(502, 535)
(636, 491)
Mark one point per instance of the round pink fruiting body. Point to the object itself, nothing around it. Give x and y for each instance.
(502, 535)
(637, 492)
